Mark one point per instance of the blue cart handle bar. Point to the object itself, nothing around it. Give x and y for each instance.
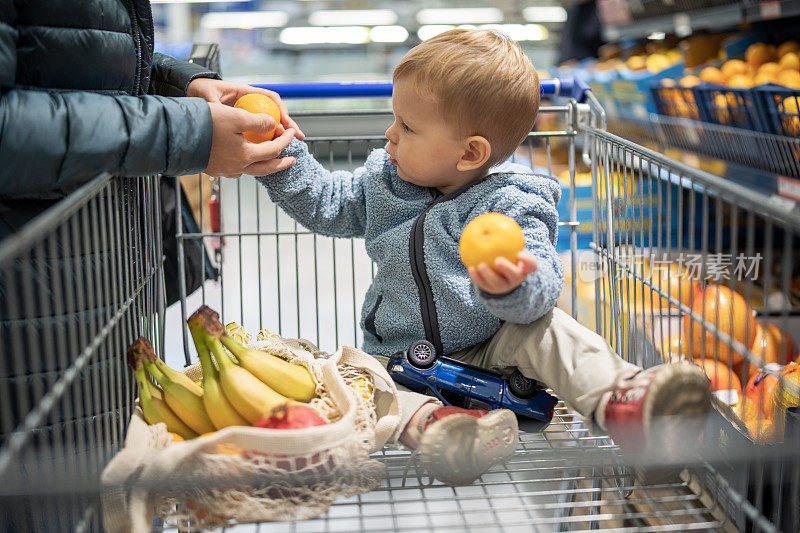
(568, 86)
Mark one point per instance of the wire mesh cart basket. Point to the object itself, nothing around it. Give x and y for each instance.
(85, 279)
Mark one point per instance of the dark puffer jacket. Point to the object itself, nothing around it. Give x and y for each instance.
(83, 93)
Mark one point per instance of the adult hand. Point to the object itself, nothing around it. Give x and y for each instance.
(232, 155)
(227, 92)
(506, 276)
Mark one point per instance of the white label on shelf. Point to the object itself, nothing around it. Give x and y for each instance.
(730, 397)
(789, 187)
(770, 10)
(682, 24)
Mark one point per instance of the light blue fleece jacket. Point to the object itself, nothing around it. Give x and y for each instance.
(375, 204)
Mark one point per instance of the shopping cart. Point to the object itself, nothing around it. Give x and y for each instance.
(276, 275)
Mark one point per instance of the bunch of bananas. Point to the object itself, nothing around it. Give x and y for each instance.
(239, 386)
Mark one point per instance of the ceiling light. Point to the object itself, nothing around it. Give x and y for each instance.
(426, 32)
(194, 1)
(324, 35)
(388, 34)
(520, 32)
(545, 14)
(352, 17)
(244, 19)
(465, 15)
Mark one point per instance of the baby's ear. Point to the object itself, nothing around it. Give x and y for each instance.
(477, 151)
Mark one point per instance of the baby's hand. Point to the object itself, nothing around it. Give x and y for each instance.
(505, 276)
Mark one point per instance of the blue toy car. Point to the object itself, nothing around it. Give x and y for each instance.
(457, 383)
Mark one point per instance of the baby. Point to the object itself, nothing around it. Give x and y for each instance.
(463, 101)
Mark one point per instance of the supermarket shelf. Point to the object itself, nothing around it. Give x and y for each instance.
(679, 23)
(771, 9)
(765, 163)
(714, 18)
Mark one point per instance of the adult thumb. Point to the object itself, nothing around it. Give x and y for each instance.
(258, 122)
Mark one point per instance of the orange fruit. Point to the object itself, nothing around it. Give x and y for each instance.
(787, 47)
(790, 61)
(758, 393)
(763, 430)
(728, 311)
(786, 394)
(689, 81)
(672, 349)
(176, 437)
(488, 237)
(733, 67)
(791, 120)
(740, 81)
(764, 78)
(789, 78)
(769, 68)
(722, 377)
(758, 54)
(671, 279)
(259, 103)
(772, 345)
(713, 75)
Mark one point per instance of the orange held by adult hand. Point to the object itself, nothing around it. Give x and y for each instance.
(488, 237)
(259, 103)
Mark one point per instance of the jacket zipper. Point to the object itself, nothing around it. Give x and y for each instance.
(137, 39)
(430, 320)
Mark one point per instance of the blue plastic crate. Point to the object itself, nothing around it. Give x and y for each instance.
(674, 101)
(779, 108)
(728, 106)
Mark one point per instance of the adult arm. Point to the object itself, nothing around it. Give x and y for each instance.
(53, 142)
(50, 142)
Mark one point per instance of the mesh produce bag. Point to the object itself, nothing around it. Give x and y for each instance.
(246, 474)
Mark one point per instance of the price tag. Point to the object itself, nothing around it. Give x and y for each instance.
(788, 187)
(770, 10)
(683, 24)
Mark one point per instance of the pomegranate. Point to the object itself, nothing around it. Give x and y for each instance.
(291, 416)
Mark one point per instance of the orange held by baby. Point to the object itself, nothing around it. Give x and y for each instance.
(488, 237)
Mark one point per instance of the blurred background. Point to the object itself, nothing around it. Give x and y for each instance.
(268, 41)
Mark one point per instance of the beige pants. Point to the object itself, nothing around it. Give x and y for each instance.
(555, 350)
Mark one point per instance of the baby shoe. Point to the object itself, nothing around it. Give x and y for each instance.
(458, 445)
(658, 413)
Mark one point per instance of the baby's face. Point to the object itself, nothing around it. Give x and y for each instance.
(423, 146)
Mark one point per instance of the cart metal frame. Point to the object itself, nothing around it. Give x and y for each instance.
(302, 285)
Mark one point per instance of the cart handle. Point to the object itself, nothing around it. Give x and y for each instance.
(568, 86)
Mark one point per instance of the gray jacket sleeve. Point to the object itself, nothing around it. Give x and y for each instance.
(53, 141)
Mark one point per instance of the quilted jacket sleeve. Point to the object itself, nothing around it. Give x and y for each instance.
(54, 141)
(171, 77)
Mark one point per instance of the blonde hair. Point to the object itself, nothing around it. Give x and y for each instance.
(483, 82)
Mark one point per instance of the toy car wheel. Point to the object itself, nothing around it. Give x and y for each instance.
(422, 354)
(522, 387)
